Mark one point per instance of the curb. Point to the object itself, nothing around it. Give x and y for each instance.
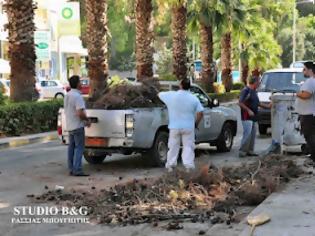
(22, 141)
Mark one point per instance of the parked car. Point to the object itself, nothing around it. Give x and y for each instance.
(51, 88)
(297, 64)
(280, 80)
(85, 86)
(5, 87)
(144, 130)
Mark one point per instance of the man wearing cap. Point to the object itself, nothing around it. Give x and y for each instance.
(305, 106)
(249, 103)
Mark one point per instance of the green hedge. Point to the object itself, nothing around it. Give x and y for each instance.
(226, 97)
(29, 117)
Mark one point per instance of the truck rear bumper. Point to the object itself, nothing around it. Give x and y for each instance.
(101, 142)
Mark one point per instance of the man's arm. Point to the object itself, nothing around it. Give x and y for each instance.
(304, 95)
(266, 106)
(198, 118)
(246, 108)
(243, 97)
(81, 113)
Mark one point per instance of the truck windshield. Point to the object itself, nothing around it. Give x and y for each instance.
(281, 81)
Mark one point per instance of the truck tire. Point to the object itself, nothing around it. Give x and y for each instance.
(158, 152)
(225, 141)
(262, 129)
(94, 159)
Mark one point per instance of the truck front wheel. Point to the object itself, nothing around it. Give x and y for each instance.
(93, 158)
(158, 152)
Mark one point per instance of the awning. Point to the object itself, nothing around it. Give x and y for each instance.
(4, 67)
(72, 44)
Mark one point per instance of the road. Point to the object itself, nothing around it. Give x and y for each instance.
(28, 169)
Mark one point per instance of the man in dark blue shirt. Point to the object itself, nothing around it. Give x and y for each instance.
(249, 103)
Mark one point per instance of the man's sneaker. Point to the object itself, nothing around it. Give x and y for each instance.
(169, 169)
(242, 154)
(252, 154)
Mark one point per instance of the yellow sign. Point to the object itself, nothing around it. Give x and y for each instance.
(69, 19)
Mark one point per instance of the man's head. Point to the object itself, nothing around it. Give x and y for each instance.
(254, 82)
(74, 82)
(309, 69)
(185, 84)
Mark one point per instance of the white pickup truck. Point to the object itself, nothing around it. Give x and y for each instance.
(144, 130)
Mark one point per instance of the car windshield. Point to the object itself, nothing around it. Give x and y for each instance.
(281, 81)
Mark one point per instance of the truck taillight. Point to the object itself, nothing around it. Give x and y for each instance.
(129, 125)
(59, 124)
(59, 130)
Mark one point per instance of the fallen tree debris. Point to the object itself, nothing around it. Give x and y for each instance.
(126, 95)
(209, 194)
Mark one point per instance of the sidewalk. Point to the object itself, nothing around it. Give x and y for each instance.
(292, 211)
(27, 139)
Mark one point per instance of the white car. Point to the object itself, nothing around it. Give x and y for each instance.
(5, 84)
(51, 89)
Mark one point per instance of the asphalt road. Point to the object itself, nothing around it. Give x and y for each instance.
(28, 169)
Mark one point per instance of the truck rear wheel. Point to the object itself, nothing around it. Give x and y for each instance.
(93, 158)
(158, 152)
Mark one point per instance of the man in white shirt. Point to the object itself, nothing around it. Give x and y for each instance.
(185, 112)
(76, 119)
(305, 106)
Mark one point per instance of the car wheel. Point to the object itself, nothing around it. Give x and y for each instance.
(94, 159)
(158, 152)
(304, 149)
(225, 141)
(59, 96)
(263, 129)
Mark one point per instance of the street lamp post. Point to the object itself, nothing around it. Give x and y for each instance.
(294, 25)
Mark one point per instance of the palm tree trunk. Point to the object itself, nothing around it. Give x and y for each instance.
(96, 14)
(179, 18)
(206, 44)
(144, 39)
(245, 71)
(226, 61)
(256, 72)
(21, 49)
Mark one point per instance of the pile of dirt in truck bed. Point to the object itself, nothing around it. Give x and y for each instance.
(126, 96)
(207, 194)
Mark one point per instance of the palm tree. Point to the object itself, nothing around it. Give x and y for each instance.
(202, 14)
(97, 31)
(21, 48)
(144, 39)
(179, 20)
(230, 14)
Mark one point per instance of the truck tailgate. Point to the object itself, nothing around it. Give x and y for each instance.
(106, 123)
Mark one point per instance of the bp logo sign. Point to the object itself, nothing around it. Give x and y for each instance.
(67, 13)
(42, 46)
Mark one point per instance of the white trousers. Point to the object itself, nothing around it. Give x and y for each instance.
(187, 136)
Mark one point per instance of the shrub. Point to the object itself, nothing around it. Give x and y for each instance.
(2, 98)
(218, 88)
(238, 86)
(168, 77)
(226, 97)
(29, 117)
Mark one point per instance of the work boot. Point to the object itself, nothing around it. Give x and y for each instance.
(252, 154)
(242, 154)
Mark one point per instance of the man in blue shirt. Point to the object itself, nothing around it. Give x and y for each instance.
(249, 103)
(185, 112)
